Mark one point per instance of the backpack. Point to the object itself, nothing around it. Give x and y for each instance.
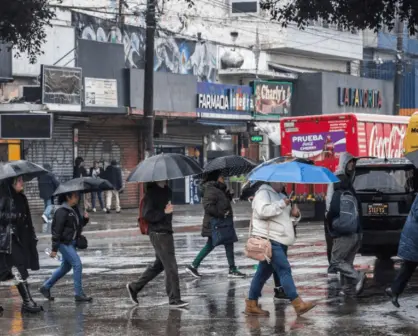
(347, 221)
(143, 224)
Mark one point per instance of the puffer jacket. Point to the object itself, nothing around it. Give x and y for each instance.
(408, 245)
(345, 158)
(216, 204)
(272, 217)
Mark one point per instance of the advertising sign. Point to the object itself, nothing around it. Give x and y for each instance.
(272, 99)
(318, 146)
(224, 101)
(101, 92)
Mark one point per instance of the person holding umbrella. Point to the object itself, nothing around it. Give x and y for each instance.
(67, 226)
(216, 204)
(157, 212)
(18, 241)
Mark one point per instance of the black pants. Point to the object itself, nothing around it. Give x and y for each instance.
(165, 260)
(403, 276)
(16, 259)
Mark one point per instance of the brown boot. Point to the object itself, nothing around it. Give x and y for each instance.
(252, 309)
(302, 307)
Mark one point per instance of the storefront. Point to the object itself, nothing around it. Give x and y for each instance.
(330, 93)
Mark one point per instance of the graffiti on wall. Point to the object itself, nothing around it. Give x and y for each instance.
(171, 54)
(103, 151)
(59, 155)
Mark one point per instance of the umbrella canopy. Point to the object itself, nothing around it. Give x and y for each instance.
(83, 185)
(28, 170)
(231, 165)
(293, 172)
(164, 167)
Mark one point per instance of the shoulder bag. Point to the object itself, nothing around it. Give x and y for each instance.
(258, 248)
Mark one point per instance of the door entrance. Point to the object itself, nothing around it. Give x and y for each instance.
(4, 152)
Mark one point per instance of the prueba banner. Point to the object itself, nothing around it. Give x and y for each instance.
(318, 146)
(272, 99)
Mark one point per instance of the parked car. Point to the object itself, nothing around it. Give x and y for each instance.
(386, 189)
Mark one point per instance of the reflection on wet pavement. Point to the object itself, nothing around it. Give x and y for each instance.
(216, 302)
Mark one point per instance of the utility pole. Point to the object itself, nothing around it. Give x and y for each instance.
(149, 78)
(399, 67)
(121, 17)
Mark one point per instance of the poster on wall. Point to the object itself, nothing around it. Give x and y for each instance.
(272, 99)
(195, 153)
(318, 146)
(100, 92)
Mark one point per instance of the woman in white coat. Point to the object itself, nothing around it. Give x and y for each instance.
(273, 218)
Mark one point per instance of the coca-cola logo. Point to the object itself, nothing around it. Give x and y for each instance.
(391, 146)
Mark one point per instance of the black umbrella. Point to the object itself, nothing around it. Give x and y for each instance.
(83, 185)
(231, 165)
(164, 167)
(28, 170)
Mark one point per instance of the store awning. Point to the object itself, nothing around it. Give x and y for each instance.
(286, 68)
(222, 123)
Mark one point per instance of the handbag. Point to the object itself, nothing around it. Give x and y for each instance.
(258, 248)
(223, 231)
(5, 239)
(81, 242)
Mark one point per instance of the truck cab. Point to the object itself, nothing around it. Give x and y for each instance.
(386, 189)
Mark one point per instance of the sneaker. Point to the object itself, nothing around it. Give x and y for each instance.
(107, 211)
(94, 210)
(104, 210)
(394, 297)
(45, 218)
(279, 294)
(360, 283)
(234, 273)
(132, 294)
(193, 271)
(178, 304)
(46, 293)
(83, 298)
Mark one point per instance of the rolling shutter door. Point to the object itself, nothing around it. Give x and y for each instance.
(57, 152)
(106, 143)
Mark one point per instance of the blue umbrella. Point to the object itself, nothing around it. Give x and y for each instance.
(293, 172)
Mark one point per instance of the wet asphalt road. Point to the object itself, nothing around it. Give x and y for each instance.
(216, 302)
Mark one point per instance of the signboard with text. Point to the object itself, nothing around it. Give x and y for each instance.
(100, 92)
(272, 99)
(224, 101)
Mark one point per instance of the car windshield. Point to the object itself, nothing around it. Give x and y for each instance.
(386, 180)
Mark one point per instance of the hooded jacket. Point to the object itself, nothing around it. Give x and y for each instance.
(345, 158)
(114, 175)
(272, 217)
(408, 245)
(216, 204)
(155, 201)
(47, 184)
(66, 226)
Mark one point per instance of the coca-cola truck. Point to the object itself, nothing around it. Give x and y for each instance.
(322, 138)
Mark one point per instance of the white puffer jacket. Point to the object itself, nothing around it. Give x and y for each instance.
(270, 209)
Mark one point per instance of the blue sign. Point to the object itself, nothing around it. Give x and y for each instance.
(224, 101)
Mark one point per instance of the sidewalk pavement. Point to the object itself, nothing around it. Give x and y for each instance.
(125, 224)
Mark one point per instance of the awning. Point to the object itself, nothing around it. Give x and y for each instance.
(222, 123)
(280, 67)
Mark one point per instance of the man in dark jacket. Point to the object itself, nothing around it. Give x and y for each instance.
(114, 175)
(47, 184)
(345, 246)
(158, 212)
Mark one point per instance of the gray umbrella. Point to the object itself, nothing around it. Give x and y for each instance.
(28, 170)
(230, 165)
(83, 185)
(413, 157)
(164, 167)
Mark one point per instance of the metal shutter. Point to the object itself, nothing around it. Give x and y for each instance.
(58, 152)
(106, 143)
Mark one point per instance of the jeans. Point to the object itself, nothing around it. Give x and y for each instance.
(208, 248)
(280, 265)
(70, 260)
(165, 260)
(48, 206)
(404, 275)
(93, 199)
(109, 195)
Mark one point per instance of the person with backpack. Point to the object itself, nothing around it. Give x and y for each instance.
(344, 225)
(157, 212)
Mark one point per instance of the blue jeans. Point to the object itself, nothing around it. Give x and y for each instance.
(279, 265)
(93, 199)
(48, 204)
(70, 260)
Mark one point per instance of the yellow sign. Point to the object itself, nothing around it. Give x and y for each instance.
(411, 138)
